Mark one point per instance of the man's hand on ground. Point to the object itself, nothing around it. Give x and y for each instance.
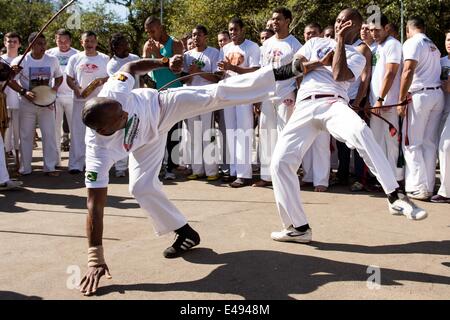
(89, 283)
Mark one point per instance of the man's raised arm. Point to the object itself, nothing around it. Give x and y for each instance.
(143, 66)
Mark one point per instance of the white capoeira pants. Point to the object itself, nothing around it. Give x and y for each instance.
(77, 151)
(239, 132)
(184, 103)
(121, 165)
(4, 176)
(12, 133)
(317, 161)
(444, 160)
(202, 150)
(309, 119)
(388, 143)
(28, 113)
(274, 116)
(424, 115)
(63, 105)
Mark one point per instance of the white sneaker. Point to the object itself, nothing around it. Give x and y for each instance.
(10, 185)
(292, 235)
(419, 195)
(121, 173)
(170, 176)
(404, 206)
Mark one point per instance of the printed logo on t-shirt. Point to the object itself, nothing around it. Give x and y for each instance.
(120, 77)
(199, 63)
(91, 176)
(322, 52)
(39, 76)
(274, 56)
(131, 131)
(375, 58)
(63, 60)
(235, 58)
(89, 68)
(431, 44)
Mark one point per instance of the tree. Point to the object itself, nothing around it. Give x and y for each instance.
(24, 17)
(138, 11)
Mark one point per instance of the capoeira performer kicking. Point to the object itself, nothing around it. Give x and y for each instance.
(322, 105)
(122, 121)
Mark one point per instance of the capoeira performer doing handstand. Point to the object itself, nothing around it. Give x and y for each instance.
(322, 105)
(122, 121)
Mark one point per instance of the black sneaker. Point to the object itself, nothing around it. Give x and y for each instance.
(184, 241)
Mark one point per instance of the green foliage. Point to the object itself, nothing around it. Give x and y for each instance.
(185, 14)
(181, 16)
(24, 16)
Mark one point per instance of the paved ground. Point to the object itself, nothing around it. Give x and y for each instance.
(43, 246)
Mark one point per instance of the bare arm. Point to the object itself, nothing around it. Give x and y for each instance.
(73, 84)
(177, 47)
(195, 69)
(365, 75)
(446, 86)
(405, 83)
(341, 71)
(406, 79)
(225, 65)
(96, 202)
(143, 66)
(18, 88)
(388, 80)
(97, 267)
(58, 82)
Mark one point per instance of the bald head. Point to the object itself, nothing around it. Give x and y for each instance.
(99, 111)
(351, 32)
(354, 15)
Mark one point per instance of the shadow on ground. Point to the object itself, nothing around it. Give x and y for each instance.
(262, 274)
(9, 204)
(10, 295)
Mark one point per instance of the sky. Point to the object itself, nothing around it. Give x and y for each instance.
(121, 11)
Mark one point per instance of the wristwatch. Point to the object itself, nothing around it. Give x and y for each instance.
(165, 61)
(23, 91)
(380, 99)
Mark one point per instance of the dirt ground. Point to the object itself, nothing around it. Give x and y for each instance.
(359, 251)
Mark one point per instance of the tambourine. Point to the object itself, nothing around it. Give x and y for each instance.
(44, 96)
(90, 88)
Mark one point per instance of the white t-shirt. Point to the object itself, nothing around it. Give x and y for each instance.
(354, 87)
(206, 60)
(12, 97)
(246, 55)
(390, 51)
(116, 63)
(85, 69)
(428, 71)
(320, 80)
(445, 66)
(63, 58)
(37, 72)
(279, 52)
(143, 110)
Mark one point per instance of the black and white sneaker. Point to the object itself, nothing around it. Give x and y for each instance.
(185, 240)
(292, 235)
(404, 206)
